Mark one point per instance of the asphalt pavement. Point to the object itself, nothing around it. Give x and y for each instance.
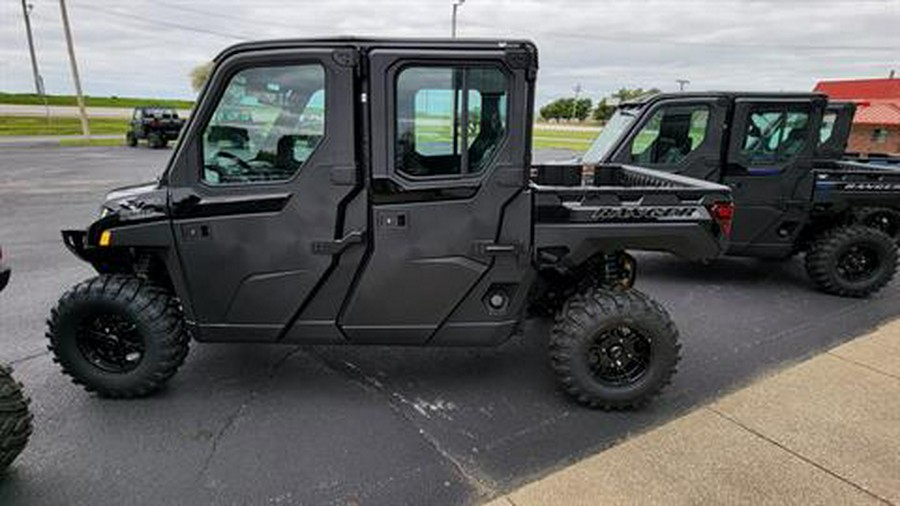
(258, 424)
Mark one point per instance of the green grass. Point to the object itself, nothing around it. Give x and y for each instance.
(576, 140)
(59, 125)
(91, 142)
(127, 102)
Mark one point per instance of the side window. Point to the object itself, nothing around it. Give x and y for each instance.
(774, 135)
(267, 124)
(670, 135)
(827, 127)
(449, 120)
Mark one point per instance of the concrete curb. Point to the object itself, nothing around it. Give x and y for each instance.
(825, 431)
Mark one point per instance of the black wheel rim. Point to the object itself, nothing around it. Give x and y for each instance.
(619, 356)
(884, 223)
(859, 262)
(111, 343)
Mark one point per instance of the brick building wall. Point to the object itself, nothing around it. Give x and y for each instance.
(862, 140)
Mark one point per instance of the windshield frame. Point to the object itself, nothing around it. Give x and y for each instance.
(618, 125)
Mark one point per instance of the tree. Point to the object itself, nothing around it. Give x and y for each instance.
(603, 111)
(625, 94)
(557, 109)
(200, 74)
(582, 109)
(567, 108)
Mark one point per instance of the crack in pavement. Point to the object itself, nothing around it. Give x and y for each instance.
(29, 357)
(232, 418)
(484, 486)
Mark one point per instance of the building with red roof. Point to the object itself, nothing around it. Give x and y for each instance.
(876, 125)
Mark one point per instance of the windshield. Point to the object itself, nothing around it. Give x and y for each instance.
(614, 128)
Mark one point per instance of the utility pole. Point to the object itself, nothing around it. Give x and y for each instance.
(85, 128)
(577, 90)
(681, 83)
(38, 82)
(456, 5)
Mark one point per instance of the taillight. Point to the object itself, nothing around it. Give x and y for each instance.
(723, 213)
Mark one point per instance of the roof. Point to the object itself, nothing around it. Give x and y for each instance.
(645, 99)
(878, 100)
(861, 89)
(882, 112)
(365, 43)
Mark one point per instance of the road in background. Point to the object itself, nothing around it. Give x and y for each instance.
(65, 110)
(244, 423)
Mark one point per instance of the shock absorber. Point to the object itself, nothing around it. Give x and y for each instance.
(618, 270)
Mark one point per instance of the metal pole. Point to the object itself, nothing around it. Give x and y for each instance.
(85, 128)
(38, 86)
(681, 83)
(456, 4)
(575, 102)
(453, 23)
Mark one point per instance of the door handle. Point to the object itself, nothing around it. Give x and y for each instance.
(337, 246)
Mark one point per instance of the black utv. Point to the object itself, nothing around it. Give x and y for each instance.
(158, 125)
(15, 418)
(349, 191)
(782, 155)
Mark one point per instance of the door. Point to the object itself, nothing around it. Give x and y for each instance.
(449, 166)
(769, 169)
(682, 135)
(258, 194)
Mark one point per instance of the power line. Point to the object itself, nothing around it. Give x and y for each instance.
(651, 40)
(266, 23)
(230, 36)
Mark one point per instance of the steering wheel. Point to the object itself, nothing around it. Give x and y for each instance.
(235, 158)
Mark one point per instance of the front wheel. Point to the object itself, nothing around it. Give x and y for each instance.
(15, 419)
(120, 336)
(613, 349)
(131, 140)
(852, 261)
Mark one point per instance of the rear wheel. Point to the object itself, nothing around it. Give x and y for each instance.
(120, 336)
(155, 140)
(15, 419)
(613, 350)
(852, 261)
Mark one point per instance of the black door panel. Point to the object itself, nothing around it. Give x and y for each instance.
(428, 268)
(265, 221)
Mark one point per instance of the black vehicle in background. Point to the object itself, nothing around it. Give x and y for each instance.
(392, 225)
(782, 154)
(15, 419)
(156, 125)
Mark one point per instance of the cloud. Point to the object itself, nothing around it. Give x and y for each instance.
(147, 48)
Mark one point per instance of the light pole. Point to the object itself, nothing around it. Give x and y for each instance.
(85, 128)
(681, 83)
(38, 84)
(577, 90)
(456, 6)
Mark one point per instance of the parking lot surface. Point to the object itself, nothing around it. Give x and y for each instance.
(288, 425)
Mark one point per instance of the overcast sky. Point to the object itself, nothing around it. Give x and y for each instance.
(147, 48)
